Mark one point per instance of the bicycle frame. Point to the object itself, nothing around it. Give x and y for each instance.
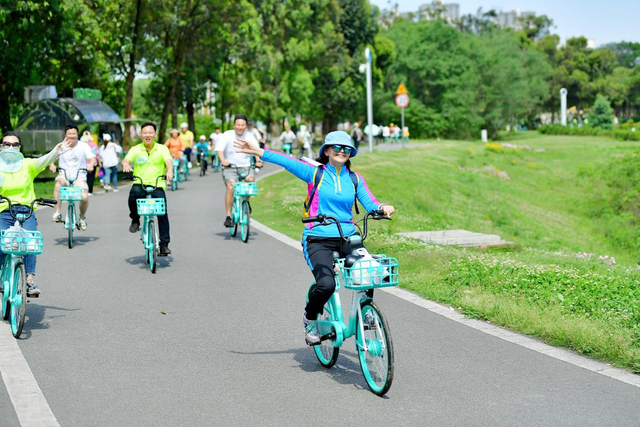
(149, 235)
(337, 330)
(71, 221)
(14, 300)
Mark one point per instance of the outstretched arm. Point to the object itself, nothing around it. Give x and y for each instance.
(303, 171)
(367, 199)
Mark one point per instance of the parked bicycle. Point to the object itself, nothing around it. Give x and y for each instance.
(360, 272)
(149, 208)
(71, 195)
(16, 243)
(241, 209)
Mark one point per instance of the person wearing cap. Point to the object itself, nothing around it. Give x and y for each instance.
(334, 195)
(109, 152)
(188, 139)
(202, 147)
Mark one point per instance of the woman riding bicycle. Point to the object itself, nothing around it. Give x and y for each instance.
(16, 183)
(334, 195)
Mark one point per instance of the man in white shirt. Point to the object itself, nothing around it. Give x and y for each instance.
(242, 162)
(214, 138)
(79, 156)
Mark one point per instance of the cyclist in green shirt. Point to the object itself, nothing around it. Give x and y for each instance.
(150, 160)
(16, 183)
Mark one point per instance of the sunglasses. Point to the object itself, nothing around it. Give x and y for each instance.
(11, 144)
(347, 150)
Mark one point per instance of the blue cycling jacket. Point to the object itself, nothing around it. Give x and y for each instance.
(334, 196)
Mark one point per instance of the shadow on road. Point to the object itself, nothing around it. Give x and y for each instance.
(35, 317)
(77, 240)
(163, 262)
(227, 236)
(345, 371)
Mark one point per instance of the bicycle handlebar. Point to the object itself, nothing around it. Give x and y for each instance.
(71, 181)
(41, 201)
(376, 214)
(134, 178)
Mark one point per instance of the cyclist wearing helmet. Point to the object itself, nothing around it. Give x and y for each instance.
(202, 147)
(334, 195)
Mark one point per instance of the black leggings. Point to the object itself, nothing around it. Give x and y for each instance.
(319, 255)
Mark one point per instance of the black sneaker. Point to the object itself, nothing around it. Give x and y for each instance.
(228, 223)
(134, 227)
(164, 250)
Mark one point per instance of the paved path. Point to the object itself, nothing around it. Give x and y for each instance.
(230, 348)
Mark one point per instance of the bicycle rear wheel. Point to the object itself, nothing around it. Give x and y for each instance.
(6, 293)
(377, 361)
(19, 300)
(244, 222)
(152, 247)
(71, 223)
(325, 352)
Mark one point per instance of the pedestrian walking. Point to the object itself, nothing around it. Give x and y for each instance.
(109, 152)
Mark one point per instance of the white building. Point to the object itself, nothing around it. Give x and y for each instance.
(449, 12)
(511, 19)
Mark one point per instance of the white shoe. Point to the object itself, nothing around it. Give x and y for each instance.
(190, 165)
(83, 224)
(115, 190)
(57, 217)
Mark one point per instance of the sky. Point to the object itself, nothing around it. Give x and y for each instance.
(605, 21)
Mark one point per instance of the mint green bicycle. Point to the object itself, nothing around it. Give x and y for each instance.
(71, 195)
(149, 208)
(17, 242)
(240, 209)
(361, 272)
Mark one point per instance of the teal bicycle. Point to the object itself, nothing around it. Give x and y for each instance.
(185, 168)
(215, 162)
(176, 175)
(17, 242)
(241, 209)
(71, 195)
(149, 208)
(360, 272)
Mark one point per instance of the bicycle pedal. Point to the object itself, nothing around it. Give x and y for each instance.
(33, 295)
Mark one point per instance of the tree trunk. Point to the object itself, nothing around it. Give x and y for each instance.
(5, 112)
(131, 76)
(191, 113)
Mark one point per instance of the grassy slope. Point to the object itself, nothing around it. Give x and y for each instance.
(539, 287)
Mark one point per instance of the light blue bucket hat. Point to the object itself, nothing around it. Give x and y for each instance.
(339, 138)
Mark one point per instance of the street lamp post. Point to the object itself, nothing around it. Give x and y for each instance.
(367, 55)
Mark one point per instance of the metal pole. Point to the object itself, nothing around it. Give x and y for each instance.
(563, 107)
(367, 54)
(402, 130)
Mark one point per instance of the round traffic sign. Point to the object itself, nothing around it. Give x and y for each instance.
(402, 100)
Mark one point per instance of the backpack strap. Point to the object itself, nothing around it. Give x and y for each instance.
(355, 180)
(317, 177)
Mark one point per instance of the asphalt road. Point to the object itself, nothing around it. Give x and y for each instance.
(216, 338)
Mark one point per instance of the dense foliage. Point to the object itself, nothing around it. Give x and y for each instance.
(300, 59)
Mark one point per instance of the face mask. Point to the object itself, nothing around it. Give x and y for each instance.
(11, 159)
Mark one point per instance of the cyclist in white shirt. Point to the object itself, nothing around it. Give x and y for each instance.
(228, 156)
(79, 156)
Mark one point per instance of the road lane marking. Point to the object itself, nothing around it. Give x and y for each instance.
(28, 401)
(487, 328)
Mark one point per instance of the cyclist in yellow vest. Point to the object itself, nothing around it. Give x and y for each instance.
(150, 160)
(16, 183)
(188, 139)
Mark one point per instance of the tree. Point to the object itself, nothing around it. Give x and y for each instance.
(601, 114)
(121, 25)
(627, 53)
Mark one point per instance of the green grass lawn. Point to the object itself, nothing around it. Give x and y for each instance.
(551, 198)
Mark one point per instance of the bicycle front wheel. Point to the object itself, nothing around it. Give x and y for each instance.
(234, 228)
(152, 247)
(244, 222)
(71, 222)
(19, 300)
(377, 360)
(326, 353)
